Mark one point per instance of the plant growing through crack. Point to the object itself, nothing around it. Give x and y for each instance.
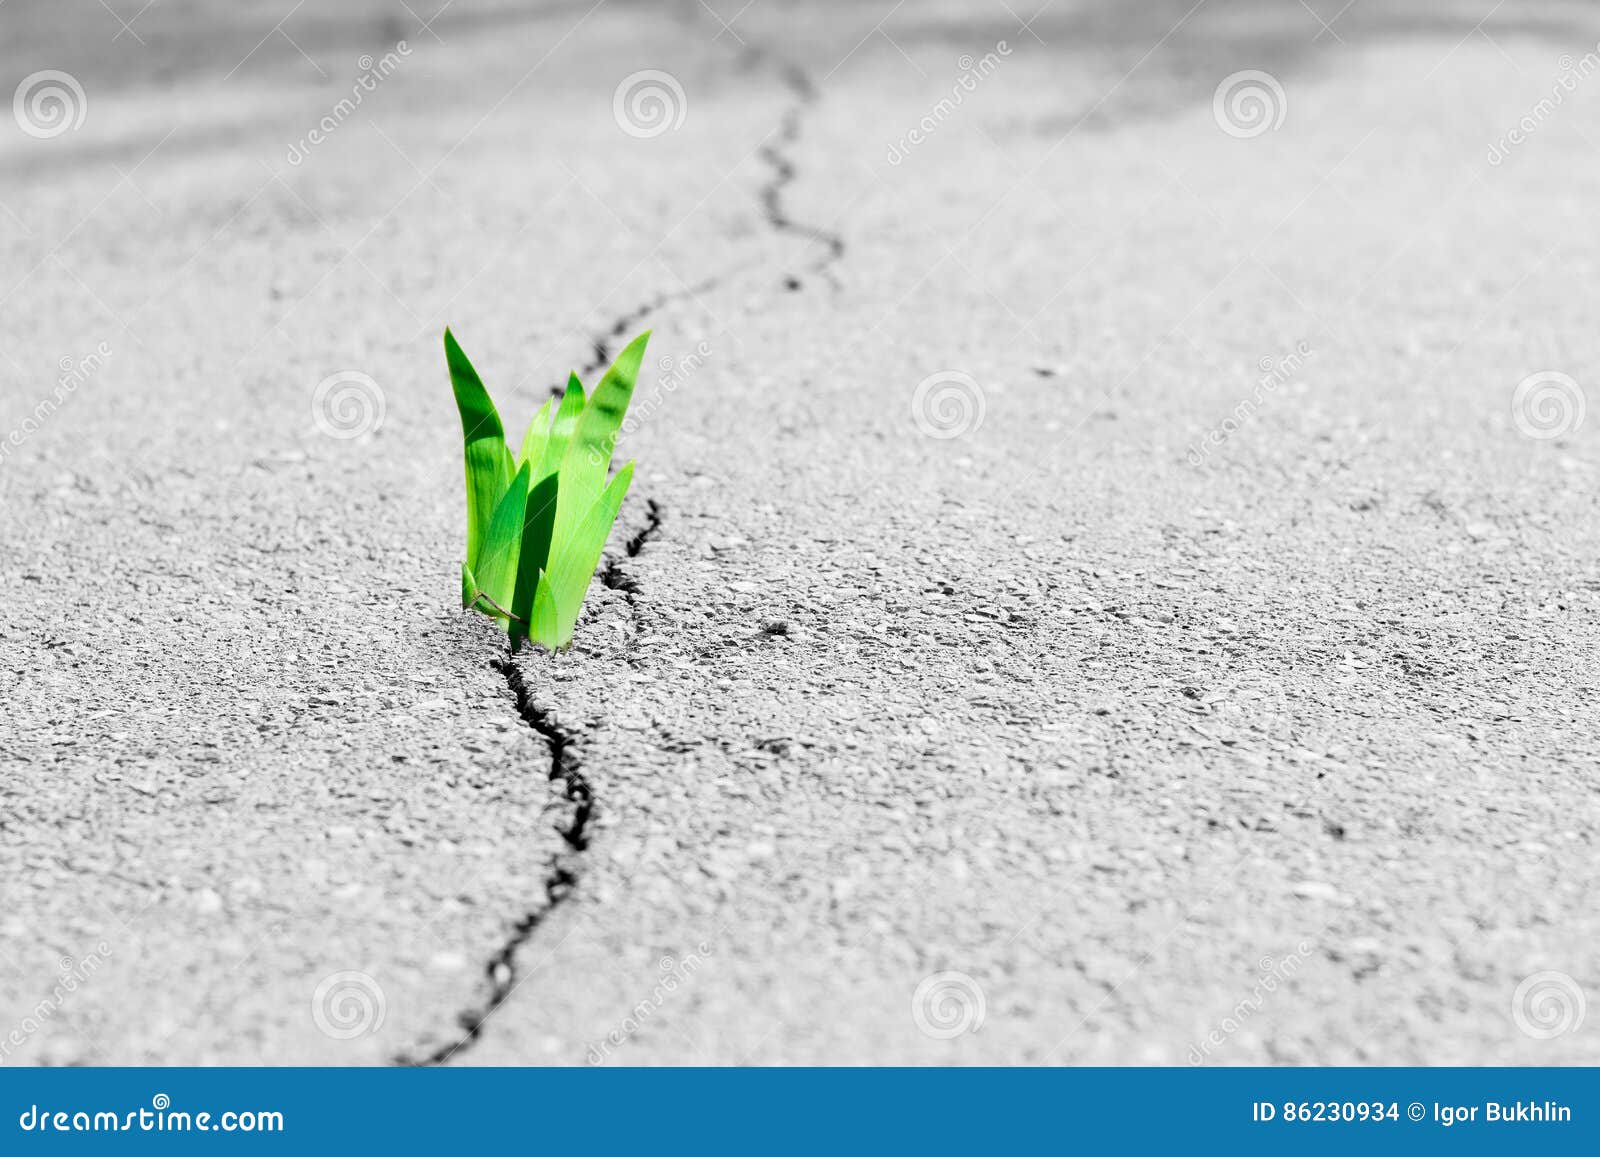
(538, 519)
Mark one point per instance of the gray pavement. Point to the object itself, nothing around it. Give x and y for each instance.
(988, 667)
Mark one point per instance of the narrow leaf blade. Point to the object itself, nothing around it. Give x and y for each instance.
(573, 403)
(544, 626)
(533, 442)
(488, 461)
(538, 520)
(497, 569)
(573, 567)
(588, 454)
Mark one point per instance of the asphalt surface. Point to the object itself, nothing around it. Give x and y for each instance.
(986, 668)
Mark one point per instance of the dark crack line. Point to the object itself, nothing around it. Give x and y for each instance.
(618, 578)
(622, 329)
(501, 969)
(777, 155)
(785, 170)
(614, 576)
(561, 882)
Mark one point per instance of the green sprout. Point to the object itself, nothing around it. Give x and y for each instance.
(538, 520)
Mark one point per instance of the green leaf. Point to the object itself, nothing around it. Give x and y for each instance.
(544, 626)
(588, 455)
(578, 555)
(497, 568)
(533, 442)
(572, 407)
(537, 522)
(538, 519)
(488, 459)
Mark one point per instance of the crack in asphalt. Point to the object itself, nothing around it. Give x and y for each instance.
(786, 170)
(501, 969)
(561, 882)
(614, 576)
(600, 347)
